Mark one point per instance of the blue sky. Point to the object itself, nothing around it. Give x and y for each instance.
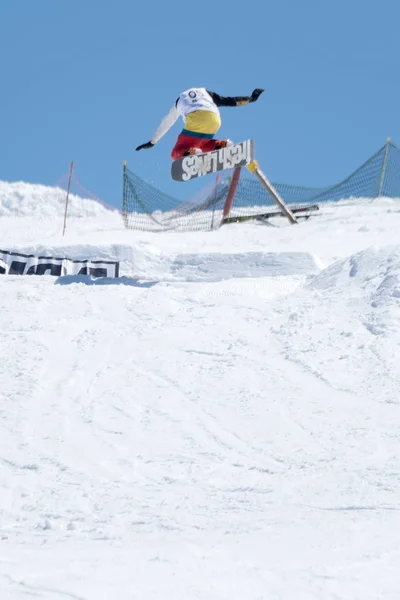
(89, 81)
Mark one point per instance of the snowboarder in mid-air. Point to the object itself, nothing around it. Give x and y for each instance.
(199, 109)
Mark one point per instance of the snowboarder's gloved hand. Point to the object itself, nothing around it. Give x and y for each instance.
(145, 146)
(257, 92)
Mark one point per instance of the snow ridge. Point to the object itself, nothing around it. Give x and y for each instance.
(39, 201)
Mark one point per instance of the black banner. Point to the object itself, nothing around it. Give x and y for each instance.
(15, 263)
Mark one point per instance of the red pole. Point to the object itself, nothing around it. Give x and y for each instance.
(231, 192)
(66, 200)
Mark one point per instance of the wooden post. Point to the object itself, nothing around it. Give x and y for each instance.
(124, 198)
(384, 168)
(254, 168)
(66, 199)
(217, 179)
(231, 192)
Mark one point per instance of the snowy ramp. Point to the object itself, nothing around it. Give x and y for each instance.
(348, 317)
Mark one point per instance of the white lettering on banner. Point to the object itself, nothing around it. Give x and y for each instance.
(218, 160)
(15, 263)
(188, 167)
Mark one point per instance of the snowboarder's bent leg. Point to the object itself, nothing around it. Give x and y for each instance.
(210, 145)
(183, 144)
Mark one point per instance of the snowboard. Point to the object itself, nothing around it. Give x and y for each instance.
(197, 165)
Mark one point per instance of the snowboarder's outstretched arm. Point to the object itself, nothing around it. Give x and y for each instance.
(235, 100)
(162, 129)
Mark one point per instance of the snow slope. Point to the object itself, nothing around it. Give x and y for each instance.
(220, 423)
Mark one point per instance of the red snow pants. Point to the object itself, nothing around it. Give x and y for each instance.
(186, 142)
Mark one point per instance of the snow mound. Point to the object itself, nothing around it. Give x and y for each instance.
(218, 266)
(346, 317)
(373, 273)
(39, 201)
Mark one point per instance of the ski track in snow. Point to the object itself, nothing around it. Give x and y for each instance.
(221, 423)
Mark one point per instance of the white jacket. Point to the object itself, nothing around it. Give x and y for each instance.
(189, 101)
(195, 99)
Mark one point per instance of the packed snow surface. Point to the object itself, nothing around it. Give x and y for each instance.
(221, 422)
